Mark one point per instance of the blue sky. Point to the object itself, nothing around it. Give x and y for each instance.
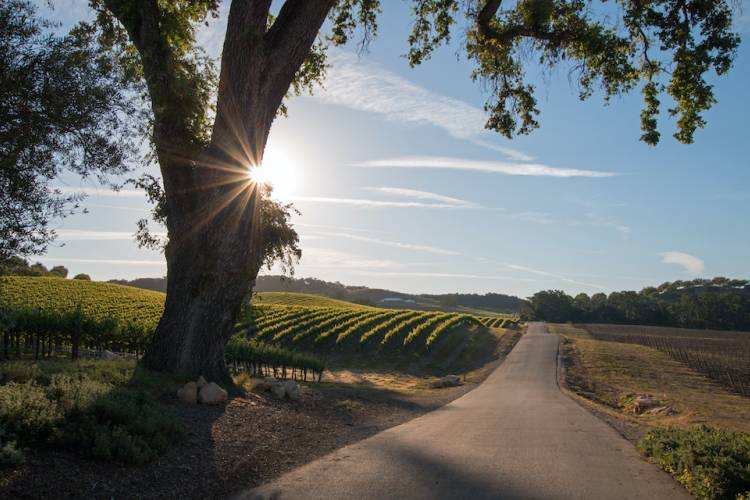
(401, 188)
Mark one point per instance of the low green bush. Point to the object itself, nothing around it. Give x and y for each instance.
(9, 452)
(710, 463)
(18, 371)
(71, 410)
(28, 414)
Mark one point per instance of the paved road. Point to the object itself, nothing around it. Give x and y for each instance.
(515, 436)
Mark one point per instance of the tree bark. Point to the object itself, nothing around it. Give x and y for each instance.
(213, 210)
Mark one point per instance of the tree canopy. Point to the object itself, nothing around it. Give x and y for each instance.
(63, 107)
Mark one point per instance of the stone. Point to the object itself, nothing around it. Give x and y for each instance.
(661, 411)
(212, 394)
(266, 384)
(188, 393)
(278, 390)
(447, 381)
(291, 389)
(108, 356)
(201, 382)
(642, 404)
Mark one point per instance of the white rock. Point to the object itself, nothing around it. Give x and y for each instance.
(188, 393)
(278, 390)
(447, 381)
(201, 382)
(108, 356)
(266, 384)
(212, 394)
(643, 403)
(291, 389)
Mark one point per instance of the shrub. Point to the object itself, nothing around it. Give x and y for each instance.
(18, 371)
(710, 463)
(9, 453)
(126, 425)
(27, 414)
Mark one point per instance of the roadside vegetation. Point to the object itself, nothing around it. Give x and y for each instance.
(694, 427)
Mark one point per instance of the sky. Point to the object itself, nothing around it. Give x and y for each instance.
(401, 187)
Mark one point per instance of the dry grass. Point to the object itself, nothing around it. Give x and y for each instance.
(611, 373)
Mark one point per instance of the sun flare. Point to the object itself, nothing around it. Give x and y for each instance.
(280, 171)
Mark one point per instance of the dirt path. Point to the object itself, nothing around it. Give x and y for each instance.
(515, 436)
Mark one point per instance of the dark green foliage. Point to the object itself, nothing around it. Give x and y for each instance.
(260, 359)
(72, 410)
(63, 107)
(720, 304)
(82, 276)
(711, 463)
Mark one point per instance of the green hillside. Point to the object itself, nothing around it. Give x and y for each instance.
(293, 322)
(301, 299)
(96, 300)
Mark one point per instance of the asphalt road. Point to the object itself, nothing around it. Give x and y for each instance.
(515, 436)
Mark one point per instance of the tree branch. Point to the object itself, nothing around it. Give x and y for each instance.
(288, 42)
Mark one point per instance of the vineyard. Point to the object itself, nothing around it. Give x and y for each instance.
(722, 356)
(47, 317)
(352, 329)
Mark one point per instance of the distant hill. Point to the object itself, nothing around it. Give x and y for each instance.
(490, 303)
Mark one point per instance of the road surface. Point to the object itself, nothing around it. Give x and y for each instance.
(515, 436)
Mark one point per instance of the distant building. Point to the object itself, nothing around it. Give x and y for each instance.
(396, 299)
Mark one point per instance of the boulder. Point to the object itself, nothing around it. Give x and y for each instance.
(266, 384)
(291, 389)
(643, 403)
(447, 381)
(278, 390)
(188, 393)
(212, 394)
(108, 356)
(201, 382)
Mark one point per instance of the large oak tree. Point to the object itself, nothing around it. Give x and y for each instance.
(208, 133)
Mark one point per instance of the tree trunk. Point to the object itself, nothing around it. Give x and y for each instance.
(210, 265)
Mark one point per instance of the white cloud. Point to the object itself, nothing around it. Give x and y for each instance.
(365, 203)
(394, 244)
(91, 235)
(556, 276)
(692, 264)
(409, 274)
(498, 167)
(324, 258)
(366, 86)
(425, 195)
(124, 262)
(94, 191)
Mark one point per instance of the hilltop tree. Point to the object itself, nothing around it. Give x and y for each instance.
(206, 150)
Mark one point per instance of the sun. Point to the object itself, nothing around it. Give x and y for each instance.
(280, 171)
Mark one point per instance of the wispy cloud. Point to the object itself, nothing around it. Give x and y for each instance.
(598, 220)
(557, 276)
(366, 86)
(497, 167)
(425, 195)
(123, 262)
(95, 191)
(692, 264)
(409, 274)
(366, 203)
(324, 258)
(394, 244)
(93, 235)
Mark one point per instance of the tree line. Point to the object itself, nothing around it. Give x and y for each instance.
(720, 303)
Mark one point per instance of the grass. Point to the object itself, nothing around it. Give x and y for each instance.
(610, 373)
(704, 444)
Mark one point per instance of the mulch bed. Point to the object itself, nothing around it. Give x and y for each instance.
(253, 439)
